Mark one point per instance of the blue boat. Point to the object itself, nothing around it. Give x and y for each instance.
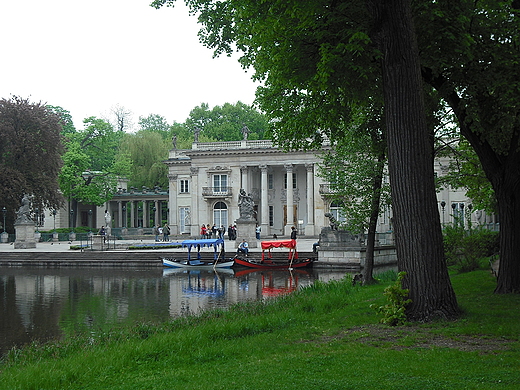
(202, 259)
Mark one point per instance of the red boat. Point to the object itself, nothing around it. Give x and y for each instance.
(273, 259)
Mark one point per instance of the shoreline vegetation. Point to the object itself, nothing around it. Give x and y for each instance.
(325, 336)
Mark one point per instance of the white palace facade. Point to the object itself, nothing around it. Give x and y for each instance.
(205, 181)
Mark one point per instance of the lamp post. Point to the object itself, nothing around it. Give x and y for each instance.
(37, 212)
(154, 209)
(443, 205)
(90, 222)
(124, 216)
(139, 209)
(54, 212)
(4, 211)
(72, 219)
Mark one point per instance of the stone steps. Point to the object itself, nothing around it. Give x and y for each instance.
(113, 258)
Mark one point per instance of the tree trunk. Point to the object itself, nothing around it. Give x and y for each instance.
(502, 171)
(368, 277)
(509, 263)
(410, 155)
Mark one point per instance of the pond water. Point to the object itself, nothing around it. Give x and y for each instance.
(41, 304)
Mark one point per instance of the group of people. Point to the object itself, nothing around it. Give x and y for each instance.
(161, 233)
(208, 231)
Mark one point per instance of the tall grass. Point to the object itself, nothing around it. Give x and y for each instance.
(322, 337)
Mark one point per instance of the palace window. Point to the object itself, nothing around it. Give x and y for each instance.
(220, 183)
(335, 210)
(220, 214)
(184, 219)
(184, 186)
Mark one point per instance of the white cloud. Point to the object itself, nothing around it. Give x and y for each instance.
(89, 56)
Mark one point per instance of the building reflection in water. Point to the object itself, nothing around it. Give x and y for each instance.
(40, 304)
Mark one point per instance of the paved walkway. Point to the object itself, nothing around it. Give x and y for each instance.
(304, 245)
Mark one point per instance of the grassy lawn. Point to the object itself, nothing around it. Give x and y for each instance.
(323, 337)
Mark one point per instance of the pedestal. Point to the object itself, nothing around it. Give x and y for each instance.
(4, 237)
(340, 247)
(246, 231)
(98, 242)
(24, 236)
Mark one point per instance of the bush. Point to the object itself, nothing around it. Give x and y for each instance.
(394, 312)
(465, 249)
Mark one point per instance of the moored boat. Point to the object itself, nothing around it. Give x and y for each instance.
(200, 260)
(270, 260)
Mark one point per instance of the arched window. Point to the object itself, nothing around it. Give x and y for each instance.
(335, 210)
(220, 214)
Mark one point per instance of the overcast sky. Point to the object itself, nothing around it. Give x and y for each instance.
(90, 56)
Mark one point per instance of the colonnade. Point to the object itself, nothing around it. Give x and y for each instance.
(141, 212)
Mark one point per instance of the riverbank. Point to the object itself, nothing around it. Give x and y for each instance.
(323, 337)
(119, 253)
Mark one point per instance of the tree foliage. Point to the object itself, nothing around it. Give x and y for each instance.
(470, 54)
(147, 149)
(155, 123)
(30, 151)
(224, 123)
(92, 164)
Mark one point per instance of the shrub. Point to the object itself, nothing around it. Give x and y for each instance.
(394, 312)
(464, 249)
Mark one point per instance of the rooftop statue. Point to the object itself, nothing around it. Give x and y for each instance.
(245, 132)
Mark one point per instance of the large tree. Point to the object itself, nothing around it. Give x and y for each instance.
(355, 169)
(92, 164)
(30, 150)
(147, 149)
(470, 53)
(317, 60)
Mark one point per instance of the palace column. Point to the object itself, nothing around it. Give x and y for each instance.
(264, 201)
(132, 213)
(195, 222)
(156, 218)
(309, 228)
(244, 171)
(290, 198)
(173, 214)
(119, 214)
(146, 214)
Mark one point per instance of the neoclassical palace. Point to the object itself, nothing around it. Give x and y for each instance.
(205, 182)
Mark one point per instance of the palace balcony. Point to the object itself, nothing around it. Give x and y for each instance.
(326, 189)
(217, 192)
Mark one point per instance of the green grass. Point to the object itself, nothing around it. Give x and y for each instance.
(323, 337)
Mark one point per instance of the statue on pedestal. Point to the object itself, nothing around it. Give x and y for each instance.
(245, 205)
(108, 222)
(23, 215)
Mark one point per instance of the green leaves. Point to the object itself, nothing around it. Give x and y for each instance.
(394, 312)
(90, 168)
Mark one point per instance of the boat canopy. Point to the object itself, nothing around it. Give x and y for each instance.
(290, 244)
(217, 244)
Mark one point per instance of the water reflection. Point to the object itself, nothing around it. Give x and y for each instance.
(42, 304)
